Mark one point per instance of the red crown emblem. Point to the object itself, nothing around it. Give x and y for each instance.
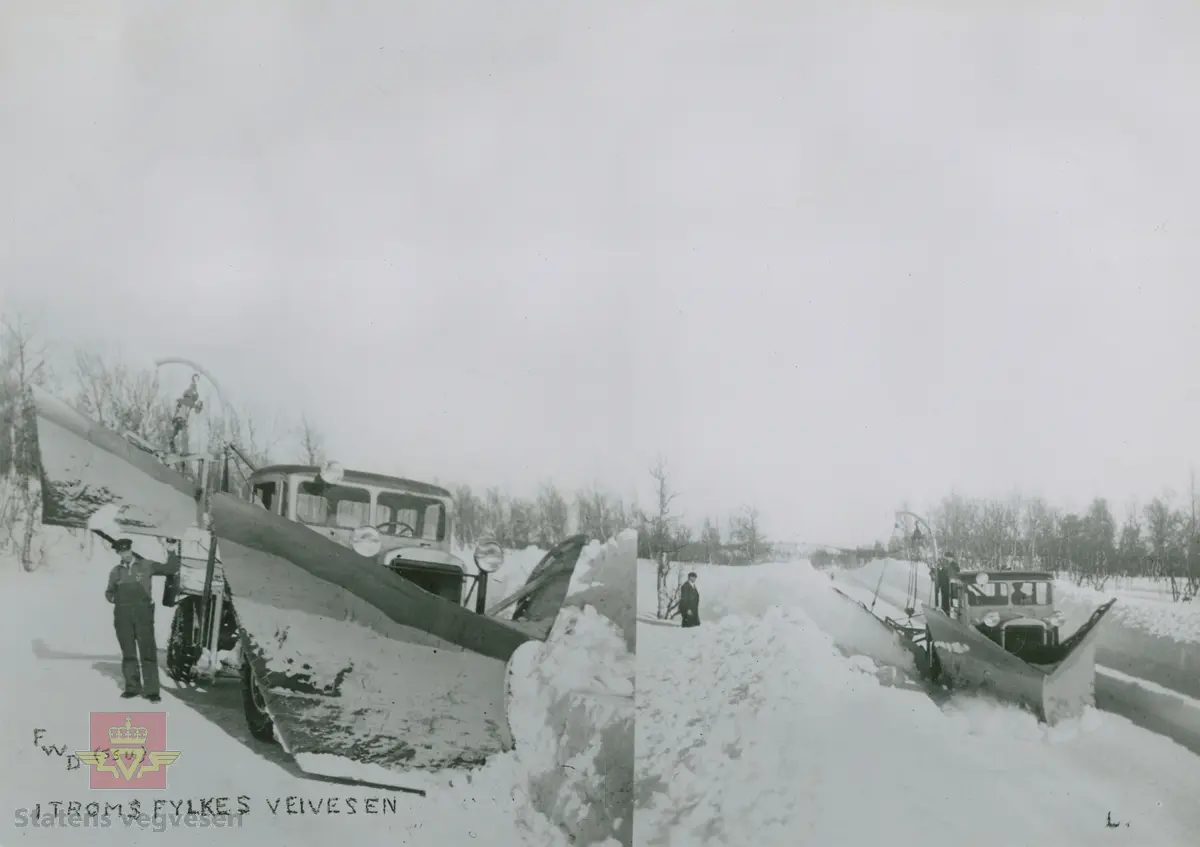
(127, 735)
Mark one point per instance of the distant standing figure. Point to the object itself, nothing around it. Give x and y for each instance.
(689, 601)
(129, 585)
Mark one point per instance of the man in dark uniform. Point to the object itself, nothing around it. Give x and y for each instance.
(689, 601)
(947, 569)
(129, 585)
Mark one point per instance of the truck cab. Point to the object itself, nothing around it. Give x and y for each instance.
(1015, 609)
(398, 523)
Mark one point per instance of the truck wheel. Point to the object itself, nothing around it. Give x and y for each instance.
(181, 646)
(261, 727)
(229, 625)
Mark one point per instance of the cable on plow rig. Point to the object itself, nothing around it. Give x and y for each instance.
(878, 585)
(910, 599)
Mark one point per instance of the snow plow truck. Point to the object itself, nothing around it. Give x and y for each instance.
(331, 594)
(997, 632)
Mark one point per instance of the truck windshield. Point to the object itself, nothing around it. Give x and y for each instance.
(991, 594)
(1014, 593)
(1032, 594)
(408, 515)
(345, 506)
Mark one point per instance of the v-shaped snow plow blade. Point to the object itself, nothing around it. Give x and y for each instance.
(353, 663)
(1071, 683)
(1056, 682)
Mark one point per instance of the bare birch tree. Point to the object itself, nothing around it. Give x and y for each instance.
(24, 363)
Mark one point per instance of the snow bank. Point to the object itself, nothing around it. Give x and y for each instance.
(755, 728)
(567, 781)
(571, 706)
(723, 589)
(1158, 618)
(570, 709)
(1141, 587)
(607, 573)
(754, 590)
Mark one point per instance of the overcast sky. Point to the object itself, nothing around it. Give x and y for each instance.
(827, 262)
(909, 251)
(402, 219)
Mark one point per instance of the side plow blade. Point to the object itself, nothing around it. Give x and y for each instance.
(357, 666)
(86, 468)
(912, 638)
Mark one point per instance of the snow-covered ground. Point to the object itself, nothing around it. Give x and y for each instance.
(1130, 587)
(570, 710)
(1142, 609)
(783, 720)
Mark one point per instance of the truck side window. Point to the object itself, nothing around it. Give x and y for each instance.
(264, 495)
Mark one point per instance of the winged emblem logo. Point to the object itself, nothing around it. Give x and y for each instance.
(124, 755)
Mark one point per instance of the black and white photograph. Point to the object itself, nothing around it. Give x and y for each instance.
(315, 516)
(926, 548)
(599, 425)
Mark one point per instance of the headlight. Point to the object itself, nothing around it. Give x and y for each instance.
(366, 541)
(489, 556)
(1058, 619)
(332, 473)
(991, 619)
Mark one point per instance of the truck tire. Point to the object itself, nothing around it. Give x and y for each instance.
(182, 649)
(258, 721)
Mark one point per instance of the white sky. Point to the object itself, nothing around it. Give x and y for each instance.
(903, 252)
(400, 219)
(825, 261)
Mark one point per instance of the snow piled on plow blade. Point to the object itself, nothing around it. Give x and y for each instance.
(359, 667)
(570, 707)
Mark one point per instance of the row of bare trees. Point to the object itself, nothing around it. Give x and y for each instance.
(24, 362)
(663, 530)
(666, 539)
(1160, 539)
(544, 520)
(134, 402)
(125, 399)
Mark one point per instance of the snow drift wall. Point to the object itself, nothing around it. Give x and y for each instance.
(756, 731)
(753, 591)
(571, 704)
